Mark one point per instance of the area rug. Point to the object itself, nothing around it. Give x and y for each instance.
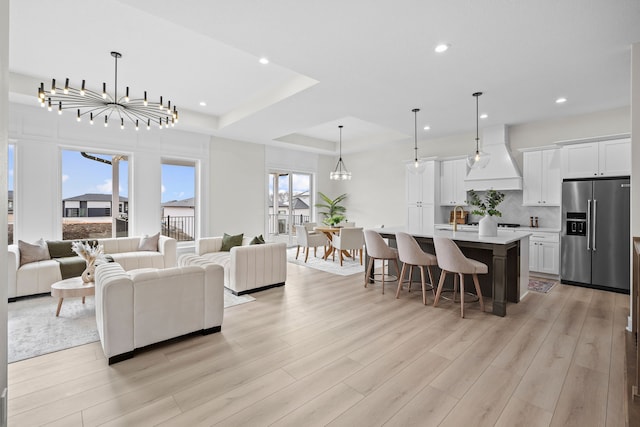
(541, 285)
(33, 328)
(349, 266)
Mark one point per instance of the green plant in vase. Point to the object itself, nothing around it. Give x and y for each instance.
(334, 211)
(488, 209)
(487, 206)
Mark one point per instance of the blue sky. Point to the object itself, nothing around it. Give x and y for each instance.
(301, 183)
(10, 168)
(81, 175)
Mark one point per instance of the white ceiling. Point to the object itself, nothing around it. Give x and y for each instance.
(358, 63)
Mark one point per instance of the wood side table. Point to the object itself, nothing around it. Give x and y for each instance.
(70, 288)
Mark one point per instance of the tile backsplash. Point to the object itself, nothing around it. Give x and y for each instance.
(513, 211)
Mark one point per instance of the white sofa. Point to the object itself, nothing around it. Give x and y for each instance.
(247, 268)
(138, 308)
(37, 277)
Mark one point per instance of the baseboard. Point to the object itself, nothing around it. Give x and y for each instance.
(250, 291)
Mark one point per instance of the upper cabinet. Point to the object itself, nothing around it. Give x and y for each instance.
(421, 197)
(452, 176)
(597, 159)
(420, 187)
(542, 182)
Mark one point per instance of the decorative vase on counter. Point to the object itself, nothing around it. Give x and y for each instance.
(488, 226)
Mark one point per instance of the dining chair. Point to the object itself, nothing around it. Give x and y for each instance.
(452, 260)
(307, 240)
(377, 248)
(411, 254)
(349, 239)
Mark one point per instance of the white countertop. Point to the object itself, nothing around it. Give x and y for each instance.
(504, 236)
(512, 229)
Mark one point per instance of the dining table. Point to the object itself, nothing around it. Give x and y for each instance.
(330, 232)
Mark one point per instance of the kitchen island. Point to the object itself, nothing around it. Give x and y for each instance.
(506, 255)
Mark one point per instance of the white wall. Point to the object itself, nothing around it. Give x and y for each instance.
(236, 187)
(4, 119)
(635, 140)
(40, 138)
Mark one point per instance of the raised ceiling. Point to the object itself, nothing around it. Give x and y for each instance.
(358, 63)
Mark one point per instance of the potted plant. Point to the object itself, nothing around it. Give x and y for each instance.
(487, 209)
(334, 212)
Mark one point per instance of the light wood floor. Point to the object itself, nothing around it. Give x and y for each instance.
(323, 350)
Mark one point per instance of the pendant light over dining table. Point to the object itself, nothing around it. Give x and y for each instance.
(340, 172)
(417, 166)
(479, 159)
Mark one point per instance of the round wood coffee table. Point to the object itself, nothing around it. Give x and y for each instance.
(70, 288)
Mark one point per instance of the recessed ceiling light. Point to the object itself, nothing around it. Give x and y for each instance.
(203, 104)
(264, 61)
(561, 100)
(484, 115)
(442, 48)
(427, 127)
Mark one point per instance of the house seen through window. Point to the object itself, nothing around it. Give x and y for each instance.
(10, 193)
(88, 182)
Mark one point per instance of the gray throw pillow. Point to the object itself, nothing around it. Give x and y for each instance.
(149, 243)
(258, 240)
(230, 241)
(29, 252)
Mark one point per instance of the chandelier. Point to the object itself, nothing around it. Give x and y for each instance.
(340, 172)
(138, 112)
(479, 159)
(417, 166)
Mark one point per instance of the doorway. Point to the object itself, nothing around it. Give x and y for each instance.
(291, 202)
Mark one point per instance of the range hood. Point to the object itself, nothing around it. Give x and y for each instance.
(501, 173)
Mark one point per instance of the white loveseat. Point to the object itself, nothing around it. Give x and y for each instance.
(138, 308)
(37, 277)
(247, 268)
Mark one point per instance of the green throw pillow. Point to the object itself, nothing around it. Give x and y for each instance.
(258, 240)
(230, 241)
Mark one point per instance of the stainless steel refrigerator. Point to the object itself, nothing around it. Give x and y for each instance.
(595, 243)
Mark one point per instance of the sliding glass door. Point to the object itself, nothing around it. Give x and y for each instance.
(290, 203)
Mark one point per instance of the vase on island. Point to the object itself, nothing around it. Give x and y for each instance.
(488, 226)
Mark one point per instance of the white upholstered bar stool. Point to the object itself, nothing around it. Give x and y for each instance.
(377, 248)
(452, 260)
(307, 240)
(412, 255)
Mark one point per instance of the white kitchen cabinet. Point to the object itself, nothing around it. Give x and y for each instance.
(597, 159)
(452, 176)
(421, 218)
(421, 197)
(544, 253)
(542, 181)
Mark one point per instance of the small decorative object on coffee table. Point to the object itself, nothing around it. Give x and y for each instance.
(92, 255)
(69, 288)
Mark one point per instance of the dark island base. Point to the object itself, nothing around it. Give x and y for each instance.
(502, 283)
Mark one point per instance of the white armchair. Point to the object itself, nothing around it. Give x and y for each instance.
(307, 240)
(349, 239)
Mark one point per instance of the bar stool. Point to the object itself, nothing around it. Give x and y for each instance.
(378, 249)
(452, 260)
(411, 254)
